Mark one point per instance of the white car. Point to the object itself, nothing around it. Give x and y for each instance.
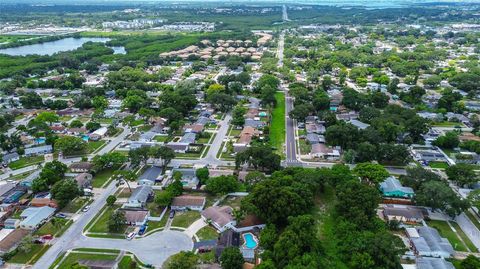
(86, 208)
(131, 235)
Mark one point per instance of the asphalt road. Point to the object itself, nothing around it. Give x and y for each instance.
(69, 239)
(290, 141)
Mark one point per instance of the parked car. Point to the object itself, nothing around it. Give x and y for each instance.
(142, 229)
(130, 236)
(47, 237)
(86, 208)
(61, 215)
(172, 214)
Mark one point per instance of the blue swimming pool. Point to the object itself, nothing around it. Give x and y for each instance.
(85, 138)
(40, 140)
(250, 241)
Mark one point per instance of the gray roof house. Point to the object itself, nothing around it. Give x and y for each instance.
(10, 157)
(33, 217)
(427, 242)
(139, 197)
(360, 125)
(39, 150)
(150, 176)
(433, 263)
(188, 138)
(147, 136)
(203, 120)
(313, 138)
(178, 147)
(257, 124)
(392, 187)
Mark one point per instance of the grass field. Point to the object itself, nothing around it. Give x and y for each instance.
(445, 231)
(26, 161)
(75, 205)
(72, 259)
(13, 38)
(184, 219)
(207, 233)
(473, 219)
(277, 129)
(440, 165)
(94, 145)
(56, 227)
(100, 178)
(101, 221)
(30, 257)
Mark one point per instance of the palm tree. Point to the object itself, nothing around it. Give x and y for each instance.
(238, 215)
(125, 176)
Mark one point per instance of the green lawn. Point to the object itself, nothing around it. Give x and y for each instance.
(207, 233)
(75, 205)
(185, 219)
(205, 139)
(94, 145)
(162, 138)
(305, 148)
(30, 257)
(100, 178)
(144, 128)
(445, 231)
(440, 165)
(152, 225)
(26, 161)
(73, 258)
(105, 120)
(127, 262)
(101, 224)
(277, 129)
(54, 226)
(448, 124)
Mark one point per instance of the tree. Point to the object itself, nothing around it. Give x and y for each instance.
(253, 178)
(371, 173)
(202, 175)
(111, 199)
(65, 191)
(342, 134)
(222, 101)
(359, 202)
(26, 244)
(462, 174)
(117, 221)
(182, 260)
(31, 100)
(176, 187)
(52, 172)
(139, 155)
(92, 126)
(238, 115)
(448, 141)
(474, 198)
(300, 112)
(259, 156)
(231, 258)
(163, 198)
(471, 262)
(100, 102)
(47, 116)
(222, 184)
(439, 196)
(416, 176)
(70, 145)
(162, 153)
(379, 99)
(76, 124)
(134, 103)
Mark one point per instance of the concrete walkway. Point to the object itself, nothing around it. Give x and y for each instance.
(195, 227)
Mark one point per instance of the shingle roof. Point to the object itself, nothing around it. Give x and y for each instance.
(151, 173)
(392, 184)
(220, 215)
(188, 200)
(140, 194)
(35, 215)
(433, 263)
(430, 240)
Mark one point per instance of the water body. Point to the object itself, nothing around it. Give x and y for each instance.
(51, 47)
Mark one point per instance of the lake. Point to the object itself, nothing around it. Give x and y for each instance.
(51, 47)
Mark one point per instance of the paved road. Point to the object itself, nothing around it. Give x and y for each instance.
(114, 142)
(153, 249)
(469, 229)
(74, 233)
(284, 13)
(290, 140)
(217, 141)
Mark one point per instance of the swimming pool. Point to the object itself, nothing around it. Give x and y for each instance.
(40, 140)
(250, 240)
(85, 138)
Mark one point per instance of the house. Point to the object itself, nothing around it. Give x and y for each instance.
(27, 182)
(150, 176)
(41, 150)
(139, 197)
(188, 202)
(188, 138)
(147, 136)
(426, 241)
(404, 214)
(245, 138)
(322, 151)
(228, 238)
(99, 133)
(76, 131)
(136, 217)
(220, 217)
(12, 239)
(41, 202)
(81, 167)
(34, 217)
(312, 138)
(392, 187)
(314, 128)
(6, 187)
(178, 147)
(257, 124)
(10, 157)
(84, 180)
(189, 178)
(433, 263)
(360, 125)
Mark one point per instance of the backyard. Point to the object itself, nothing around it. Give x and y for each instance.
(26, 161)
(185, 219)
(277, 129)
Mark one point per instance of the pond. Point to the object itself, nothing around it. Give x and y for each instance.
(51, 47)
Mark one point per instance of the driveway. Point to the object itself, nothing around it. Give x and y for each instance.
(153, 249)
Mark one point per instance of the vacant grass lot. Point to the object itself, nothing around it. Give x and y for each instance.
(100, 178)
(185, 219)
(440, 165)
(26, 161)
(445, 231)
(94, 145)
(30, 257)
(101, 222)
(72, 259)
(277, 129)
